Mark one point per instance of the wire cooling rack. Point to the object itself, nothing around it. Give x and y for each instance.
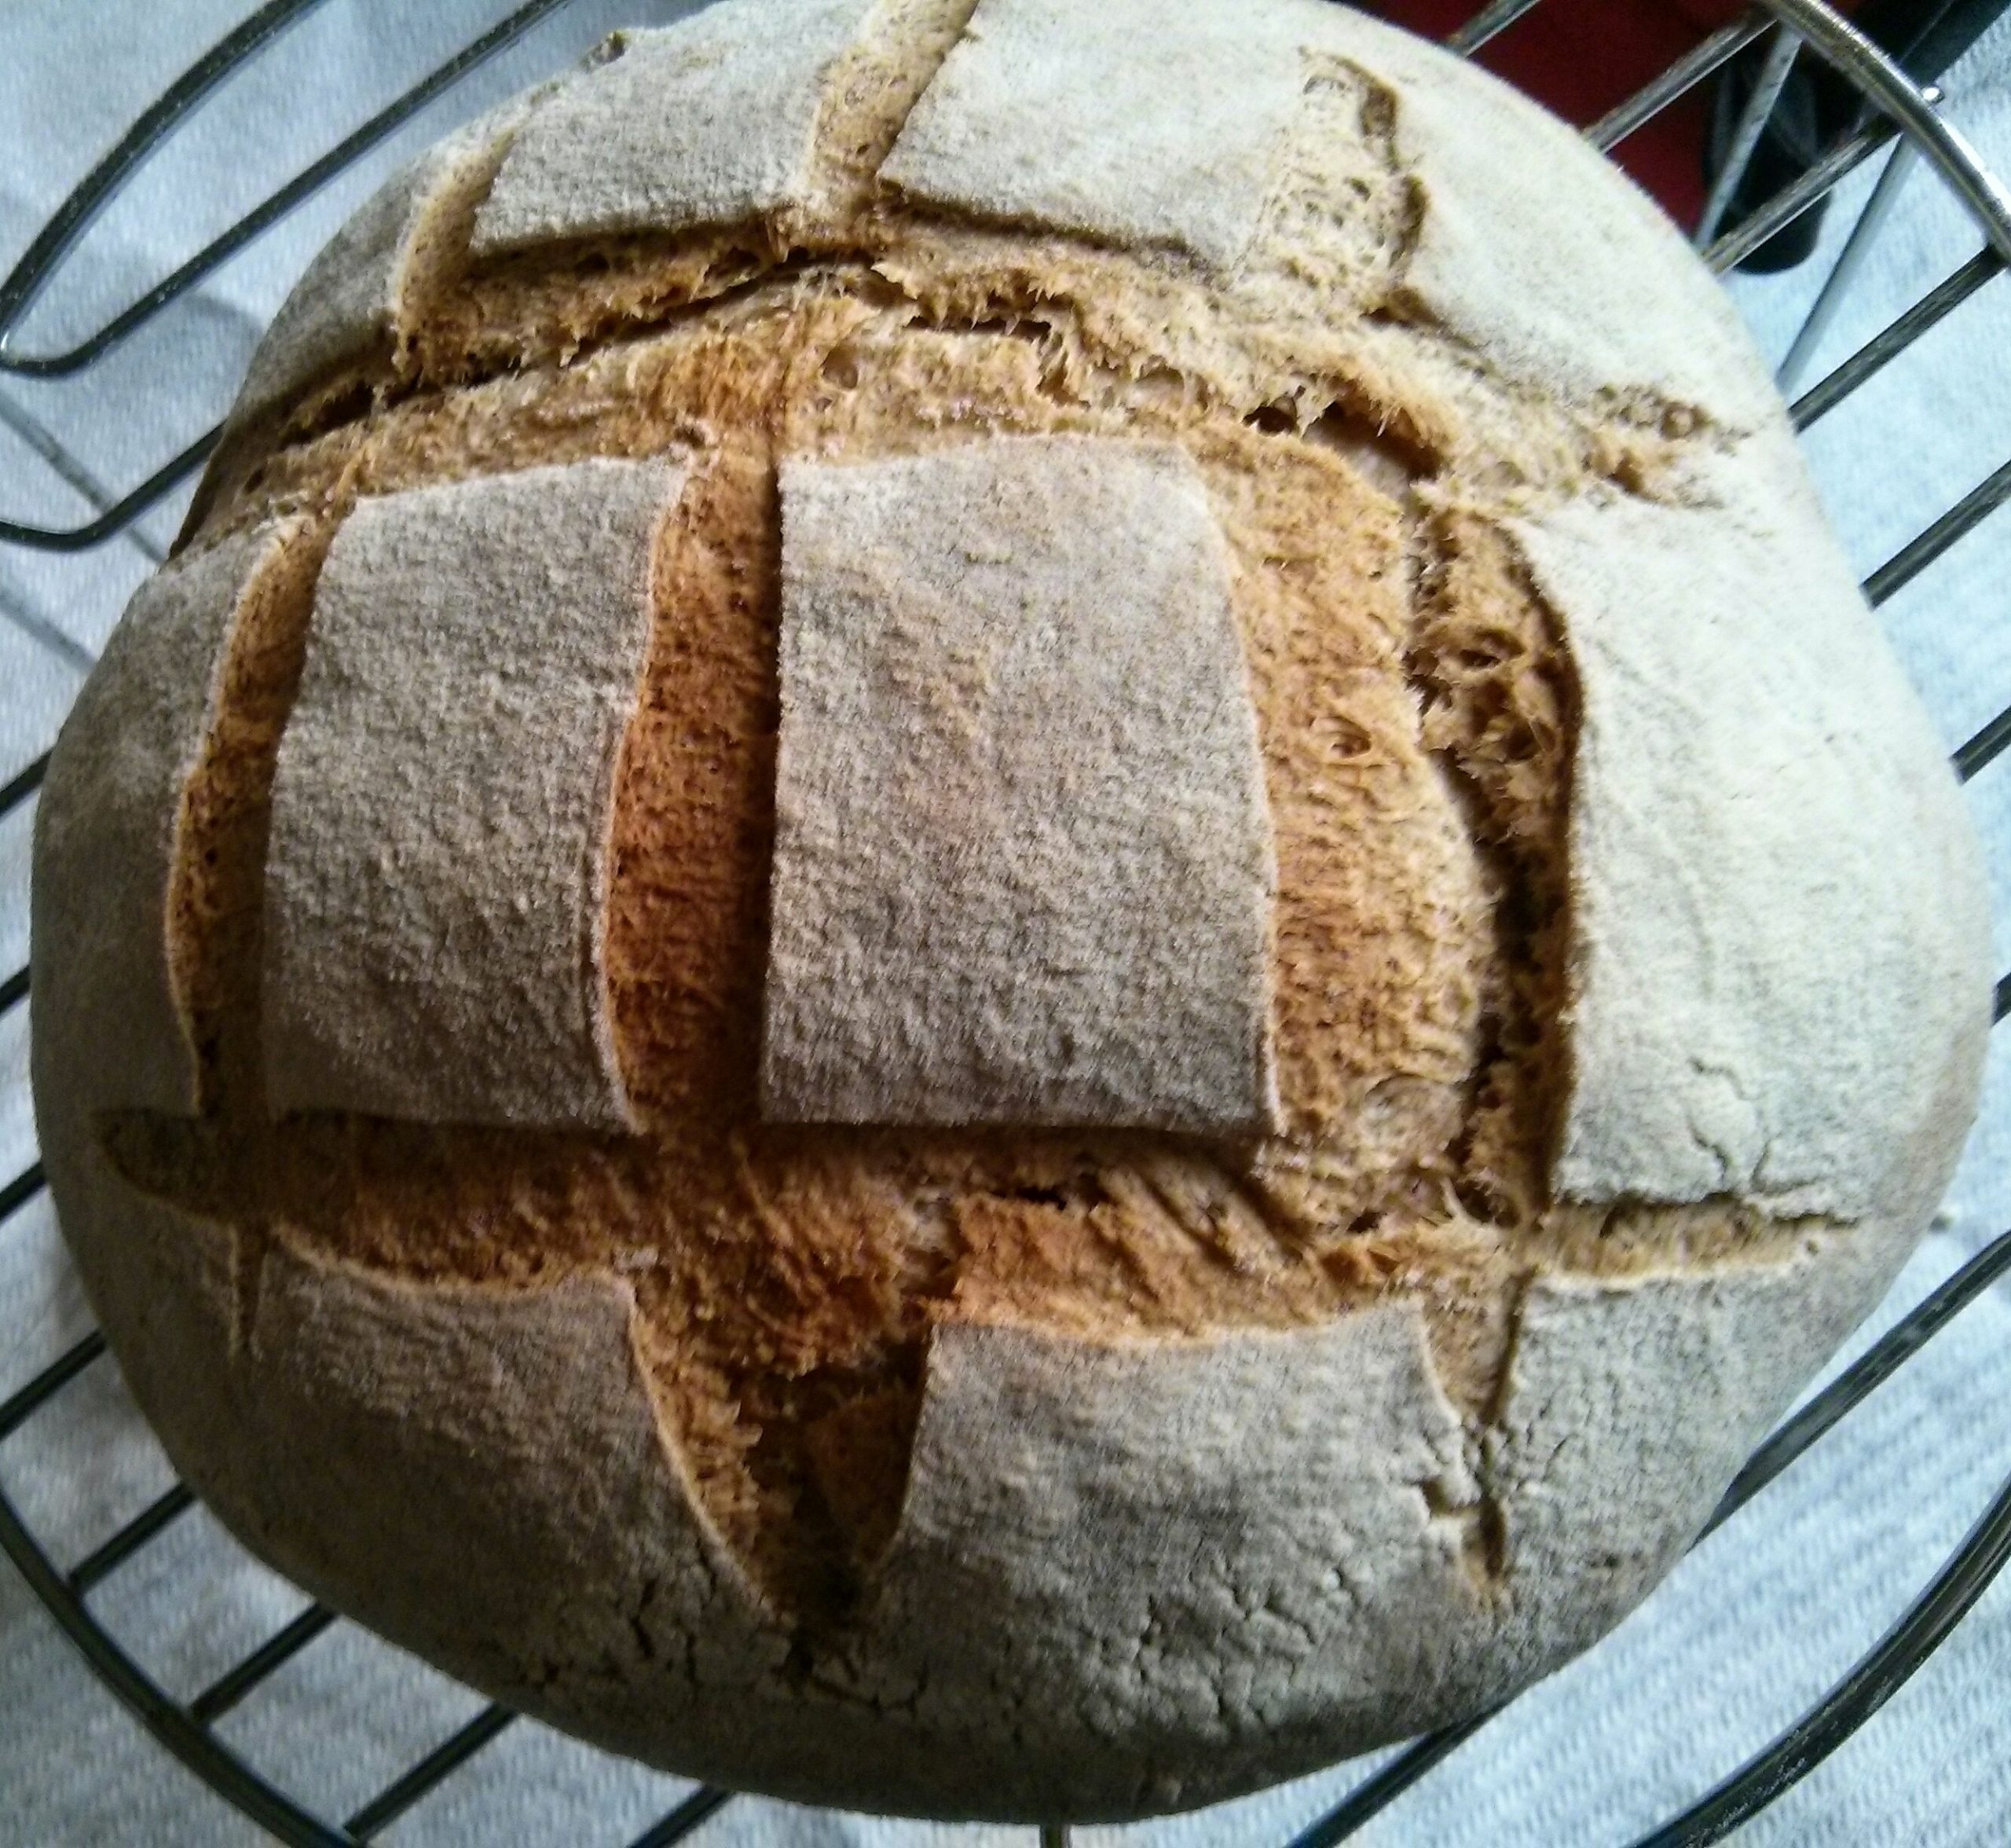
(1898, 118)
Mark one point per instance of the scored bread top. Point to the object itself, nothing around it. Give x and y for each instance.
(1623, 978)
(1218, 1557)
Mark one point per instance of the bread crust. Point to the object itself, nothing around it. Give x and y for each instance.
(113, 812)
(1206, 1566)
(437, 872)
(958, 629)
(1190, 1464)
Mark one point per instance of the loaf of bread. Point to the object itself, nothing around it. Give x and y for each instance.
(1006, 911)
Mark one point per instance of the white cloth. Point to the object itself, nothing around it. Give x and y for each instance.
(1747, 1633)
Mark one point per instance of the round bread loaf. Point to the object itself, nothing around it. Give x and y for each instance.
(1005, 912)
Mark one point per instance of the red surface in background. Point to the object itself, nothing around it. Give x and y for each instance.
(1581, 58)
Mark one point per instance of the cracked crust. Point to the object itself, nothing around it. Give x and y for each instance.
(1741, 798)
(363, 286)
(715, 123)
(126, 803)
(1221, 1557)
(822, 1449)
(1047, 117)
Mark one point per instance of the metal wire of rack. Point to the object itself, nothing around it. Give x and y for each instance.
(1899, 115)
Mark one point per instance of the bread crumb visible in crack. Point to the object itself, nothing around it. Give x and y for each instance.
(874, 90)
(1317, 306)
(1501, 712)
(217, 885)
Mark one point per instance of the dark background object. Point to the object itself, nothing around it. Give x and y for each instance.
(1816, 108)
(1581, 58)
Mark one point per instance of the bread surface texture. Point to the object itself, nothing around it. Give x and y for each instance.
(1006, 912)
